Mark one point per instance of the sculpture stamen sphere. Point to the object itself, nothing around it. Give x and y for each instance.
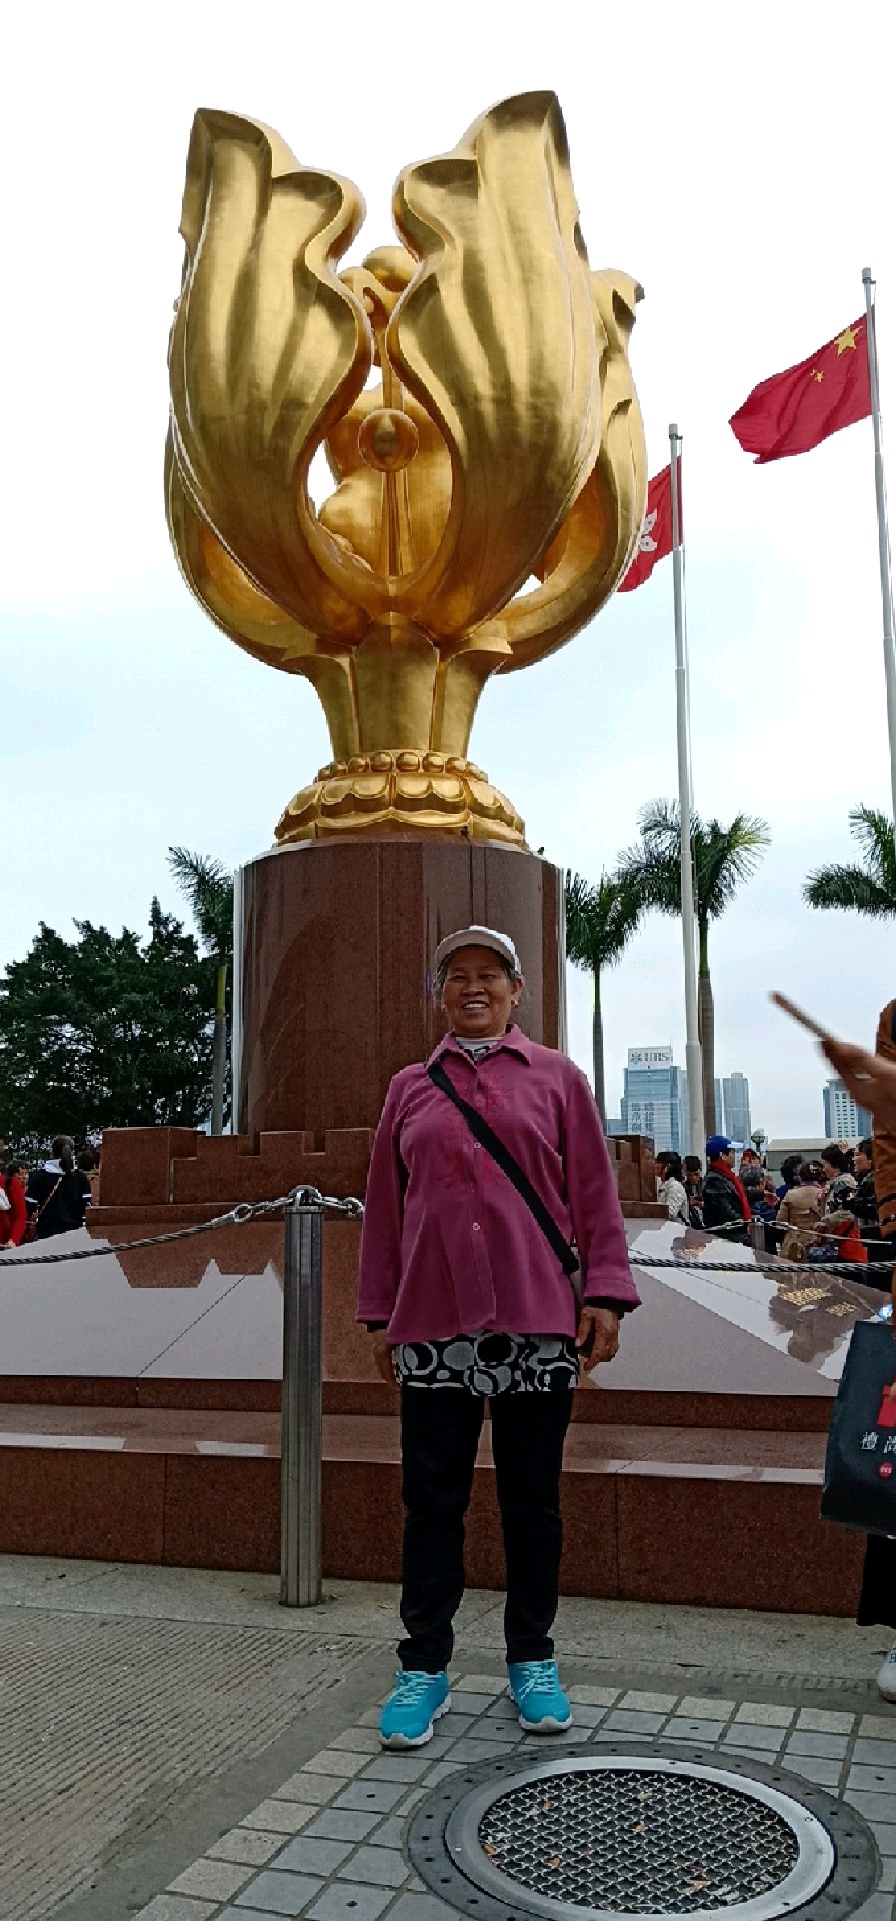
(388, 440)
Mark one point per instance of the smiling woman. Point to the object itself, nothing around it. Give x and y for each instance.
(478, 988)
(490, 1194)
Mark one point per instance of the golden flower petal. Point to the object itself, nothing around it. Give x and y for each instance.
(255, 622)
(595, 544)
(495, 337)
(268, 349)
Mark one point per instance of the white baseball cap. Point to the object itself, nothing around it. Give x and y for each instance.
(478, 937)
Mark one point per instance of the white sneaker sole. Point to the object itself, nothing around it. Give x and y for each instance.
(415, 1740)
(550, 1725)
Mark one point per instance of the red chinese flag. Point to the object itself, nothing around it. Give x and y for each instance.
(797, 410)
(655, 538)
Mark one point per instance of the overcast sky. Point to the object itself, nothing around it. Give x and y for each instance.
(739, 162)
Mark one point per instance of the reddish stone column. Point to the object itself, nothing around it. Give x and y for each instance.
(335, 993)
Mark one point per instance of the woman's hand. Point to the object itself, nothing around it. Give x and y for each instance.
(869, 1078)
(382, 1357)
(597, 1335)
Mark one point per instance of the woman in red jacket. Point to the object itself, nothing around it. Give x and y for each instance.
(13, 1218)
(845, 1226)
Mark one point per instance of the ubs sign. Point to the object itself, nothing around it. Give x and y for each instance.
(650, 1057)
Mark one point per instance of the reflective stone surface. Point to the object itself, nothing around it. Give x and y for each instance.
(170, 1314)
(696, 1455)
(83, 1318)
(740, 1333)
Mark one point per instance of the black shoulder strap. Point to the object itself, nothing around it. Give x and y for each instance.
(510, 1166)
(45, 1203)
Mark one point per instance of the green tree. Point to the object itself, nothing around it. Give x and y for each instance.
(869, 887)
(209, 889)
(104, 1031)
(723, 857)
(600, 922)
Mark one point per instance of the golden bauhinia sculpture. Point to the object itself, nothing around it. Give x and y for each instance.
(503, 442)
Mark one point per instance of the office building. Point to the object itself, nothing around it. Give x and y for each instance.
(736, 1100)
(655, 1100)
(715, 1123)
(844, 1120)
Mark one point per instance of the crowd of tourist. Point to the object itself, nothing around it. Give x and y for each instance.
(824, 1209)
(51, 1197)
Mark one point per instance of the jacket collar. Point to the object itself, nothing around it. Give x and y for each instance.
(513, 1042)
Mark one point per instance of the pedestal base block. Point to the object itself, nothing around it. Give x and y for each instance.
(335, 990)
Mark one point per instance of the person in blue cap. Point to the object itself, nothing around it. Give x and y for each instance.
(725, 1203)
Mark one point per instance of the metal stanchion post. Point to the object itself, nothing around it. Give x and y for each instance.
(300, 1447)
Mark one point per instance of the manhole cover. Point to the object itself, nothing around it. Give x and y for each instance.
(630, 1837)
(627, 1837)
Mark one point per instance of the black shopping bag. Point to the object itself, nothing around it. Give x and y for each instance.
(860, 1468)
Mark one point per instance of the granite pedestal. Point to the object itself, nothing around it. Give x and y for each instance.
(334, 991)
(140, 1391)
(139, 1421)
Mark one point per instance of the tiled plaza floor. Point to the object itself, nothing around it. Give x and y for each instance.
(330, 1844)
(179, 1747)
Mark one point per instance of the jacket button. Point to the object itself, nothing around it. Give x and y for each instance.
(476, 1227)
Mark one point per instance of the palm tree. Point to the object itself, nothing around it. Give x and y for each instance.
(869, 887)
(600, 922)
(723, 857)
(209, 889)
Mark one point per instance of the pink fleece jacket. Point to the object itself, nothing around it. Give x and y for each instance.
(448, 1246)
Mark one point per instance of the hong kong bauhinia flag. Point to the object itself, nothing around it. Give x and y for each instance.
(796, 410)
(655, 538)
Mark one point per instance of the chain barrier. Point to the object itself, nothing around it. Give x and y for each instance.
(353, 1209)
(772, 1264)
(235, 1217)
(819, 1233)
(850, 1270)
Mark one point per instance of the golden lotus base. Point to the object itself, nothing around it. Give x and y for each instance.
(398, 793)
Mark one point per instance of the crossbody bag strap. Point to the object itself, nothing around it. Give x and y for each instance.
(510, 1166)
(45, 1204)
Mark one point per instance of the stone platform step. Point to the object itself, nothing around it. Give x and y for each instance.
(716, 1516)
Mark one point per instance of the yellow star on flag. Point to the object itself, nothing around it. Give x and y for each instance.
(817, 373)
(846, 339)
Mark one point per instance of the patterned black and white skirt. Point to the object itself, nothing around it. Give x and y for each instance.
(490, 1364)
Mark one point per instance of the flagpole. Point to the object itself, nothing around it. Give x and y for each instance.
(883, 532)
(693, 1050)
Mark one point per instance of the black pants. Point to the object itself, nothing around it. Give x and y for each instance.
(877, 1601)
(440, 1430)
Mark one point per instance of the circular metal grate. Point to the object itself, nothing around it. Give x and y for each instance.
(619, 1836)
(632, 1842)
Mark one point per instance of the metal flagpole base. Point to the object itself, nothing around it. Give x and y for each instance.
(302, 1409)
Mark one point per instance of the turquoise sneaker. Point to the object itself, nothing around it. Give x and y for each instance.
(543, 1706)
(416, 1701)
